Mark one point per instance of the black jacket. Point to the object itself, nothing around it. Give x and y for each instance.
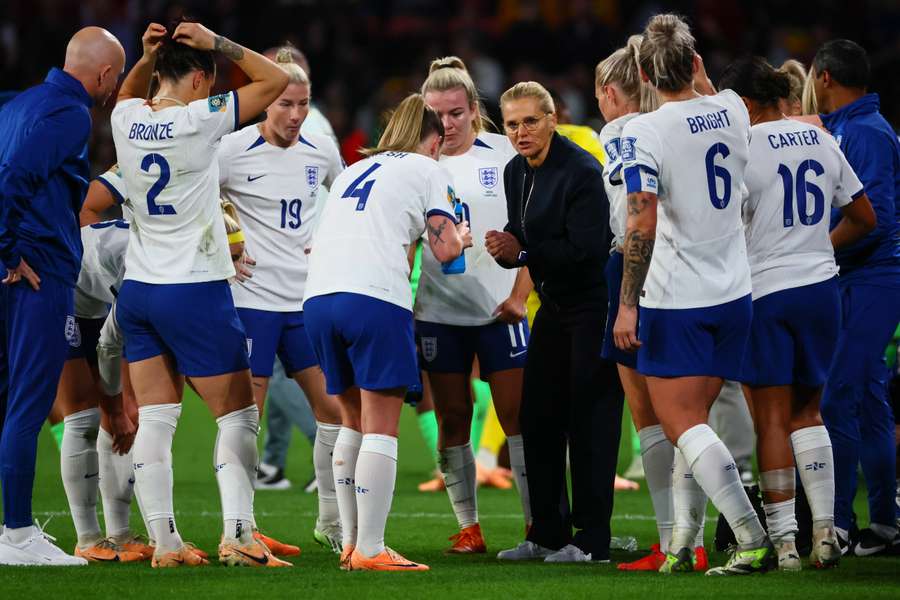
(565, 230)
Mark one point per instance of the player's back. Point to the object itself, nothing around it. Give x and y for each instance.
(102, 267)
(692, 154)
(167, 158)
(377, 207)
(795, 174)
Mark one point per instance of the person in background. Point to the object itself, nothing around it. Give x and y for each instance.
(855, 405)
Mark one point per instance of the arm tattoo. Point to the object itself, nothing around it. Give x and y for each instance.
(636, 203)
(638, 252)
(231, 50)
(437, 231)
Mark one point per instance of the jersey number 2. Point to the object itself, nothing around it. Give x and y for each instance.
(152, 207)
(361, 190)
(803, 189)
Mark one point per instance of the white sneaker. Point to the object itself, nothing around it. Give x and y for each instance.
(38, 549)
(525, 551)
(329, 536)
(788, 557)
(568, 554)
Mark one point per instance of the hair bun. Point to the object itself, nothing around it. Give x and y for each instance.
(284, 56)
(447, 62)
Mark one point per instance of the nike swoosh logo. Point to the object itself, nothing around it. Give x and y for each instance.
(90, 475)
(251, 178)
(515, 354)
(404, 565)
(114, 559)
(263, 561)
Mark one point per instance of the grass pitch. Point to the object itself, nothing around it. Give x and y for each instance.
(418, 527)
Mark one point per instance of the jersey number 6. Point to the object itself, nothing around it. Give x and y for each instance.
(715, 172)
(152, 207)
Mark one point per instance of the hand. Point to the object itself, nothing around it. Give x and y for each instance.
(20, 272)
(195, 35)
(465, 233)
(503, 246)
(511, 311)
(153, 39)
(122, 431)
(625, 329)
(242, 267)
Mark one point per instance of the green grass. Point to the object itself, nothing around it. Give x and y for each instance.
(418, 527)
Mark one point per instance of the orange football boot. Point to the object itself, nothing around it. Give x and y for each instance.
(433, 485)
(184, 557)
(387, 560)
(468, 541)
(701, 560)
(277, 548)
(193, 548)
(254, 554)
(137, 543)
(346, 553)
(492, 478)
(107, 551)
(651, 562)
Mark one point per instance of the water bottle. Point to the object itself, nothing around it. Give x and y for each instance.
(458, 264)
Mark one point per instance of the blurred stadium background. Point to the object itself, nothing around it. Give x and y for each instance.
(366, 55)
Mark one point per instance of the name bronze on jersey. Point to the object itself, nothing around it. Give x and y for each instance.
(151, 131)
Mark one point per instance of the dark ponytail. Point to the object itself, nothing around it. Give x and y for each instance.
(754, 78)
(175, 60)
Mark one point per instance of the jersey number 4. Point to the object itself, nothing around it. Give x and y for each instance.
(360, 189)
(164, 173)
(803, 189)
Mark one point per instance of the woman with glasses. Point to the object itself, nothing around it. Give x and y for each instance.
(558, 226)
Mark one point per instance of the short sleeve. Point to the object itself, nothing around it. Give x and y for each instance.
(612, 147)
(440, 195)
(115, 183)
(216, 116)
(224, 155)
(640, 152)
(335, 162)
(848, 187)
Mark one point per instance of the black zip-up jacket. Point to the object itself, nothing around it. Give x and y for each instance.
(559, 212)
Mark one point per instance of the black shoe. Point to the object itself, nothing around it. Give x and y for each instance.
(271, 479)
(870, 543)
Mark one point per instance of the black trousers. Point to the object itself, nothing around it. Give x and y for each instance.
(572, 397)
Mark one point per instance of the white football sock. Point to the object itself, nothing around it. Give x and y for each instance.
(376, 474)
(780, 518)
(657, 456)
(152, 455)
(517, 465)
(116, 486)
(81, 474)
(812, 453)
(689, 501)
(235, 460)
(457, 466)
(715, 471)
(698, 541)
(323, 449)
(346, 452)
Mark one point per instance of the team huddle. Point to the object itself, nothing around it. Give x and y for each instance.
(243, 241)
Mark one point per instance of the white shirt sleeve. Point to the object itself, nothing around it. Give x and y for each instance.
(848, 187)
(215, 116)
(335, 162)
(640, 151)
(115, 183)
(440, 195)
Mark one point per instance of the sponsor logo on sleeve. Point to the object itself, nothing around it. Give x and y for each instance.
(627, 149)
(218, 103)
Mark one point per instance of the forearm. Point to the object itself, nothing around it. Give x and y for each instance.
(522, 286)
(638, 250)
(137, 83)
(846, 233)
(111, 405)
(256, 66)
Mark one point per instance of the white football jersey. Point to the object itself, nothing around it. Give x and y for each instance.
(275, 191)
(115, 183)
(692, 155)
(796, 174)
(102, 267)
(168, 160)
(612, 176)
(470, 298)
(377, 208)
